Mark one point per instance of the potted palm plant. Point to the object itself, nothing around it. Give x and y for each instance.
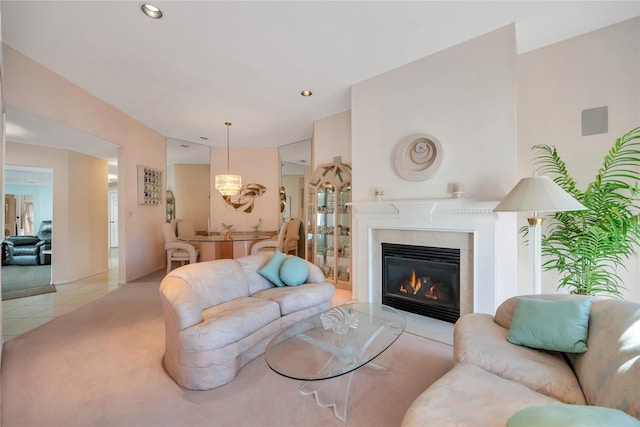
(587, 247)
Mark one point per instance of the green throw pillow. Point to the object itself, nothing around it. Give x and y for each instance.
(556, 325)
(271, 270)
(294, 271)
(565, 415)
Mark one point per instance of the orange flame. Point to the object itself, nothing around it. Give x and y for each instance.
(414, 284)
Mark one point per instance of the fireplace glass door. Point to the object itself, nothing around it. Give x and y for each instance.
(422, 280)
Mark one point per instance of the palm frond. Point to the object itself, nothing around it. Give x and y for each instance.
(588, 247)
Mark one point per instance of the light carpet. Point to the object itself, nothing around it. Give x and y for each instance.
(101, 365)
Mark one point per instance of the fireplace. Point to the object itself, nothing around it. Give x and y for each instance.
(488, 244)
(423, 280)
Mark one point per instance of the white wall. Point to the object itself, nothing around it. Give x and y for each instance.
(331, 138)
(32, 87)
(555, 84)
(463, 96)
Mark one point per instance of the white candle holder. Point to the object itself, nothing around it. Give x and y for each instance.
(379, 193)
(458, 190)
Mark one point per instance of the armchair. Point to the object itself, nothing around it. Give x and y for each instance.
(22, 250)
(44, 235)
(177, 251)
(28, 250)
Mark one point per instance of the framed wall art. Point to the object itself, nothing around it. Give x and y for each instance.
(149, 186)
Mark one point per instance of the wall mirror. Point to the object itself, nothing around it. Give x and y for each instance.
(295, 165)
(188, 182)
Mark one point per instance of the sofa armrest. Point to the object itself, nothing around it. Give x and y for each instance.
(178, 297)
(315, 274)
(480, 341)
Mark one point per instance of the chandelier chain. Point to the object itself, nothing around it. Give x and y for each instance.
(227, 124)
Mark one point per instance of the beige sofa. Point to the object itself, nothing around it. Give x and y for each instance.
(219, 315)
(492, 379)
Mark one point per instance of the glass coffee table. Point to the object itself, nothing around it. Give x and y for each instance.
(333, 344)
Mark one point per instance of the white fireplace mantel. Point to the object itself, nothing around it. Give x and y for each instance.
(494, 237)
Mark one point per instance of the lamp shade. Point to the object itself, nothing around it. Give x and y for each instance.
(538, 194)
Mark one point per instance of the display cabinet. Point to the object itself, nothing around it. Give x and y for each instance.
(328, 222)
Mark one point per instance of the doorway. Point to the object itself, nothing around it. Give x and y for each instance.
(113, 219)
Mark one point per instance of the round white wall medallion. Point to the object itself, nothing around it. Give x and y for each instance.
(417, 157)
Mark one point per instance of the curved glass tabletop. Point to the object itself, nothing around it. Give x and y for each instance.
(334, 342)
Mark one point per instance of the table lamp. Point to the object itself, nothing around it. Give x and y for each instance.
(537, 194)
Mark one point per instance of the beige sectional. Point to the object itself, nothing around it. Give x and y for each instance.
(492, 379)
(219, 315)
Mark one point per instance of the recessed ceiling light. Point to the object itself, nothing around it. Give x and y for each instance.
(306, 93)
(204, 138)
(151, 11)
(303, 161)
(184, 145)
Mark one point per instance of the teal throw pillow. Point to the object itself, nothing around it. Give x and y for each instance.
(565, 415)
(271, 270)
(294, 271)
(556, 325)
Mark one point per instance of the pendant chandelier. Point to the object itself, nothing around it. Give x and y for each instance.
(228, 184)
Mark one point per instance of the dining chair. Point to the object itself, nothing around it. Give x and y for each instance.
(181, 252)
(291, 237)
(186, 230)
(286, 242)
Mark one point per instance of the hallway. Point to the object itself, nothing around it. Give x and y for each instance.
(23, 314)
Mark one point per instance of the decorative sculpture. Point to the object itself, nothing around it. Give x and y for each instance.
(339, 320)
(225, 231)
(256, 228)
(243, 199)
(417, 157)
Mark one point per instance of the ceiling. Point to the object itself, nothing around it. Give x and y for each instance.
(207, 62)
(24, 175)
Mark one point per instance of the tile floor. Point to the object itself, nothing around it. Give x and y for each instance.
(23, 314)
